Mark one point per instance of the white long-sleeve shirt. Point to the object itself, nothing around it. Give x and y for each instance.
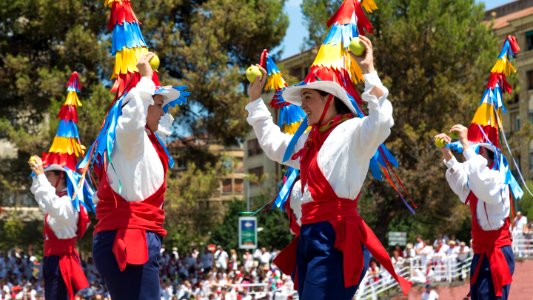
(488, 186)
(135, 162)
(344, 157)
(62, 217)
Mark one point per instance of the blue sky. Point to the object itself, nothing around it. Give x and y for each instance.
(293, 41)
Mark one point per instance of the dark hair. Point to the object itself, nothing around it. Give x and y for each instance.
(340, 107)
(56, 172)
(490, 154)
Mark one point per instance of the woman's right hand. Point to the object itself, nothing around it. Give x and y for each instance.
(446, 152)
(256, 88)
(36, 165)
(143, 65)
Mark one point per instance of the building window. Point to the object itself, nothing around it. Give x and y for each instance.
(257, 174)
(253, 147)
(530, 117)
(530, 160)
(226, 186)
(515, 121)
(529, 40)
(239, 185)
(530, 80)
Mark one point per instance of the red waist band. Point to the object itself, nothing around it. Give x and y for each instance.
(59, 246)
(334, 210)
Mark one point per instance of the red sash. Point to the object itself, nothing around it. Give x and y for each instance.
(131, 220)
(350, 229)
(488, 244)
(69, 259)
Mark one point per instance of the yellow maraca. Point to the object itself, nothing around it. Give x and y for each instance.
(440, 143)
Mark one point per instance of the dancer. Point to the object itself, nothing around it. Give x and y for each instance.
(482, 187)
(55, 184)
(128, 235)
(333, 157)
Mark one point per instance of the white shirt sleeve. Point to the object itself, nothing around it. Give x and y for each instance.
(457, 178)
(49, 202)
(485, 183)
(272, 140)
(131, 124)
(375, 127)
(62, 217)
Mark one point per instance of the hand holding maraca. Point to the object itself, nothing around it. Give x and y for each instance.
(36, 165)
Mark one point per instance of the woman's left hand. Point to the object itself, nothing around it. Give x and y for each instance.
(366, 62)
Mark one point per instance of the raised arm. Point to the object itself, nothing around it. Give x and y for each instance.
(269, 135)
(455, 174)
(488, 185)
(132, 122)
(45, 194)
(375, 127)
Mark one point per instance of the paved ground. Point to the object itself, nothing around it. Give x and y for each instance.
(521, 289)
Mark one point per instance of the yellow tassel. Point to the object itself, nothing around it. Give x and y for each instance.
(509, 69)
(126, 60)
(290, 128)
(330, 56)
(275, 82)
(369, 5)
(66, 145)
(485, 116)
(355, 71)
(503, 66)
(337, 58)
(499, 66)
(72, 99)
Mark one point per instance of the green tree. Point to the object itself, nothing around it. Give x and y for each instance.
(434, 57)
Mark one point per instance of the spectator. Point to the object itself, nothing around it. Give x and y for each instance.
(519, 223)
(409, 251)
(265, 259)
(430, 293)
(397, 259)
(207, 261)
(221, 259)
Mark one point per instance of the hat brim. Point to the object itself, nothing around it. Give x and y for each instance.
(54, 167)
(293, 94)
(168, 93)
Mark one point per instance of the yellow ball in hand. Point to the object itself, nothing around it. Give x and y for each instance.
(252, 72)
(154, 62)
(356, 47)
(440, 143)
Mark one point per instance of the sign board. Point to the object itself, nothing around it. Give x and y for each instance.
(397, 238)
(247, 232)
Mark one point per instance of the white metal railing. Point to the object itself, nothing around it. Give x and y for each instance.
(370, 288)
(523, 245)
(443, 269)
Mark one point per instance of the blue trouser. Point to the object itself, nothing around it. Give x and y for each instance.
(136, 281)
(483, 288)
(54, 285)
(320, 265)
